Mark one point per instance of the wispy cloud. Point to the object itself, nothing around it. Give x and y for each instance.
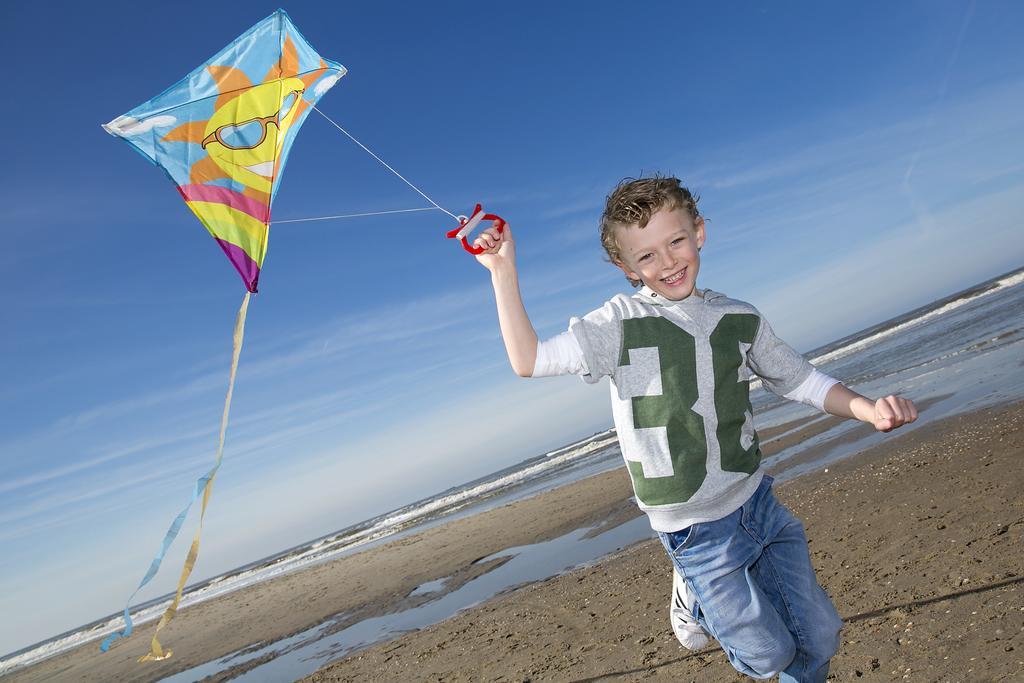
(920, 260)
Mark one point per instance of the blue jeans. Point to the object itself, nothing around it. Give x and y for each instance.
(756, 591)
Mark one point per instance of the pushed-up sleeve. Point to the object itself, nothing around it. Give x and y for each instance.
(599, 335)
(813, 390)
(560, 355)
(779, 365)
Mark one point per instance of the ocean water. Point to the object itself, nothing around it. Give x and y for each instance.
(958, 354)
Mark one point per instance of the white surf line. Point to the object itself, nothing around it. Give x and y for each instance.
(952, 305)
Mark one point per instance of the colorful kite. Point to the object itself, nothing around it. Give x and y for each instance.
(222, 134)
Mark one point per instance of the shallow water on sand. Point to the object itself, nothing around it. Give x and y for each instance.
(304, 653)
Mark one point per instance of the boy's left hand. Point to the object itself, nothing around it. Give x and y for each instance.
(892, 412)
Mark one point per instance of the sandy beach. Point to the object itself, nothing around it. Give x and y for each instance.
(917, 541)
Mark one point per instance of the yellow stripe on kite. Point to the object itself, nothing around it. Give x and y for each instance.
(232, 225)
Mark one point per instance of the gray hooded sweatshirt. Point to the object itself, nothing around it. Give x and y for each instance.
(680, 374)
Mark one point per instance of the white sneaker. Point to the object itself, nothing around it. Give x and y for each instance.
(688, 632)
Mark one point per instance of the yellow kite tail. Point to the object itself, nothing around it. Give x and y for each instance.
(156, 651)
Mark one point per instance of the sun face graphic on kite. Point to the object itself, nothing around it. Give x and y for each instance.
(223, 134)
(244, 136)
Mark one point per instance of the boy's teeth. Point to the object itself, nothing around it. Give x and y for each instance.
(676, 277)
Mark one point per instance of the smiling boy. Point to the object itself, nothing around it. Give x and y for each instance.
(680, 360)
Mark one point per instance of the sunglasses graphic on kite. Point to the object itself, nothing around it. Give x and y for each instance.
(251, 134)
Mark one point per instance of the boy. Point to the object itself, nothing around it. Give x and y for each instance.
(679, 359)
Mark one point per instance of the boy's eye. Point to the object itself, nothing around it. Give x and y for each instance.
(645, 257)
(678, 240)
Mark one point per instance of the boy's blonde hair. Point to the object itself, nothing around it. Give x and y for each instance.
(634, 201)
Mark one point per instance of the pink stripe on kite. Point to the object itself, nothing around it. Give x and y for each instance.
(222, 195)
(245, 266)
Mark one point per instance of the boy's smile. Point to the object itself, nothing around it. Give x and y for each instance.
(665, 254)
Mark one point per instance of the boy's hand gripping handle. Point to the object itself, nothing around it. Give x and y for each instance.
(466, 226)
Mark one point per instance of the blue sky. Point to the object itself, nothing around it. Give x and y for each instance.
(854, 161)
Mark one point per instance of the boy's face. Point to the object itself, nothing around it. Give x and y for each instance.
(664, 255)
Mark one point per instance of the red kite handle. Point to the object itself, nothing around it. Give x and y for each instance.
(466, 226)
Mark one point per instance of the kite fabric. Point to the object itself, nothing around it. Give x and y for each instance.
(222, 134)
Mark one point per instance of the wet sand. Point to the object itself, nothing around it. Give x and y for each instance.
(918, 541)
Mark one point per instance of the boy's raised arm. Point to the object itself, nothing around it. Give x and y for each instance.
(499, 257)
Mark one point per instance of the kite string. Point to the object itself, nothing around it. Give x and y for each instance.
(354, 215)
(383, 163)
